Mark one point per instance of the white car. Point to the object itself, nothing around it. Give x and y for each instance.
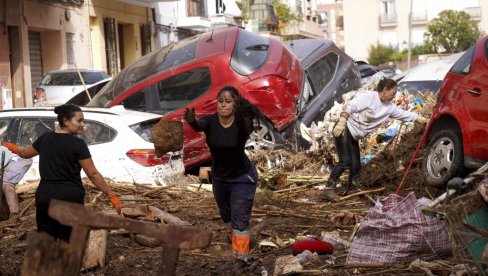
(119, 140)
(426, 77)
(57, 87)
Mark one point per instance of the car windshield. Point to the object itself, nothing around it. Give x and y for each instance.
(415, 86)
(72, 78)
(158, 61)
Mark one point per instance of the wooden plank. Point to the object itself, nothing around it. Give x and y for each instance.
(174, 236)
(169, 260)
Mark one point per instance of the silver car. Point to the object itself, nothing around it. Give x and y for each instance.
(57, 87)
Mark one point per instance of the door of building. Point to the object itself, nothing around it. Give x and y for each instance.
(35, 57)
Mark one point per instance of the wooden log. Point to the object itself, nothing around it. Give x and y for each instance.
(95, 250)
(182, 237)
(169, 259)
(44, 256)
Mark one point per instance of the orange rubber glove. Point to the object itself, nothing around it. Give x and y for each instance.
(10, 146)
(115, 202)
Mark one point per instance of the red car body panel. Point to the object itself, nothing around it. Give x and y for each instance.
(463, 98)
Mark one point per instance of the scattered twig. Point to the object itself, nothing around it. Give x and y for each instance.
(26, 207)
(362, 193)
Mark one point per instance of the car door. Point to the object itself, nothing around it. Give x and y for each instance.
(474, 89)
(317, 93)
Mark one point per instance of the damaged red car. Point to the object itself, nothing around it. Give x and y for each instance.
(458, 129)
(190, 72)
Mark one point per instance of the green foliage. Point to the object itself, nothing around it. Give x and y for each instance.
(398, 56)
(284, 13)
(244, 7)
(422, 50)
(453, 31)
(379, 54)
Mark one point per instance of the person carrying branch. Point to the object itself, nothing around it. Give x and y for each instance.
(62, 155)
(361, 116)
(234, 177)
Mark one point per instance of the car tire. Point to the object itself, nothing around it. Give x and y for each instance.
(444, 158)
(264, 137)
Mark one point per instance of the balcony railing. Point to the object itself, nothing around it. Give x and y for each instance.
(388, 19)
(474, 12)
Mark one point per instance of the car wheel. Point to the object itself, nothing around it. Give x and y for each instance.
(444, 158)
(263, 137)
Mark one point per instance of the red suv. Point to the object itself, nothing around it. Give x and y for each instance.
(458, 129)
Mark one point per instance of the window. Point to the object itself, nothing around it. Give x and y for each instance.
(183, 88)
(172, 93)
(32, 128)
(93, 132)
(306, 96)
(250, 53)
(143, 129)
(97, 133)
(3, 128)
(388, 7)
(463, 65)
(70, 51)
(73, 78)
(322, 72)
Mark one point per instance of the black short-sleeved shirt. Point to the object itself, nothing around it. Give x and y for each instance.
(226, 144)
(59, 154)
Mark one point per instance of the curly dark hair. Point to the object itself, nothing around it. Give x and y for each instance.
(66, 111)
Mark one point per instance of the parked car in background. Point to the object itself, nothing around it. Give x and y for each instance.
(365, 70)
(114, 137)
(190, 72)
(82, 99)
(457, 138)
(426, 77)
(57, 87)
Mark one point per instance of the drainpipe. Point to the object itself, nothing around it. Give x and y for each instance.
(409, 35)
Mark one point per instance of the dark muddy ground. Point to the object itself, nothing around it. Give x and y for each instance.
(297, 212)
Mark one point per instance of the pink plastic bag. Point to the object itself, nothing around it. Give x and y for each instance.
(396, 231)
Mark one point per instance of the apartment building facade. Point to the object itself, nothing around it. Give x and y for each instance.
(367, 22)
(332, 18)
(178, 19)
(43, 35)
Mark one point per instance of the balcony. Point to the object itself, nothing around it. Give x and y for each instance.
(474, 12)
(388, 20)
(419, 18)
(194, 22)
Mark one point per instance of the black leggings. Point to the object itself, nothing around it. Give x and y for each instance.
(62, 191)
(349, 157)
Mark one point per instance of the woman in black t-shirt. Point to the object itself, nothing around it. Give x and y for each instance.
(62, 155)
(234, 177)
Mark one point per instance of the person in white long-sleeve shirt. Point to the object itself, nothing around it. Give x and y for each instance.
(362, 115)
